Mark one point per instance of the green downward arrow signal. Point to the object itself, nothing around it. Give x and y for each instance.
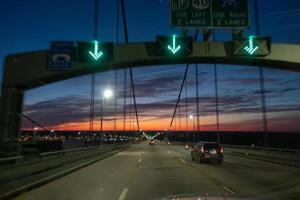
(96, 54)
(174, 49)
(251, 48)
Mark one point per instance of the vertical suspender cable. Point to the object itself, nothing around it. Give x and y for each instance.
(130, 110)
(95, 36)
(179, 114)
(262, 83)
(116, 71)
(217, 97)
(186, 112)
(115, 100)
(197, 98)
(130, 69)
(182, 84)
(124, 100)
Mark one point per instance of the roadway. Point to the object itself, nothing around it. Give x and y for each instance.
(150, 172)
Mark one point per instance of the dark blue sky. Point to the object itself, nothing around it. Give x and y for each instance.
(28, 25)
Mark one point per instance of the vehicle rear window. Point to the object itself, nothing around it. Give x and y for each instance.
(211, 146)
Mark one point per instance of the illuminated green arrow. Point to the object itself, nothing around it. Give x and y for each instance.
(97, 53)
(174, 49)
(251, 48)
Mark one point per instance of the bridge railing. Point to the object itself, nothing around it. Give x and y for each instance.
(20, 159)
(263, 148)
(289, 157)
(51, 165)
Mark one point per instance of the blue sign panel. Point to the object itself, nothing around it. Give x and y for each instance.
(61, 56)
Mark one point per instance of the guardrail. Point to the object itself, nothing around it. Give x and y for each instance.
(10, 159)
(50, 166)
(263, 148)
(288, 157)
(75, 150)
(43, 156)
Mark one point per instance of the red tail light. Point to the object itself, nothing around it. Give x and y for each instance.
(222, 150)
(202, 150)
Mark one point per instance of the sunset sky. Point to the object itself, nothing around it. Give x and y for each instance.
(27, 26)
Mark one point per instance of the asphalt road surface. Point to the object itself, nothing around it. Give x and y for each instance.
(156, 171)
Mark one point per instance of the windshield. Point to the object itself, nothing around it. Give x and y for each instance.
(149, 99)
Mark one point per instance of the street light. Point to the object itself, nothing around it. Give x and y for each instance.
(192, 118)
(105, 95)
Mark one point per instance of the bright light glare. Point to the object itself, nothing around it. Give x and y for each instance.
(191, 116)
(107, 93)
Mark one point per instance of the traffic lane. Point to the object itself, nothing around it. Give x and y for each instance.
(245, 176)
(161, 173)
(142, 172)
(106, 179)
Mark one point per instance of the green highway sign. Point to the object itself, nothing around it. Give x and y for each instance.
(174, 45)
(230, 13)
(95, 52)
(252, 46)
(190, 13)
(227, 14)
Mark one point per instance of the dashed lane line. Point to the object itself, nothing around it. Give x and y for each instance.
(123, 194)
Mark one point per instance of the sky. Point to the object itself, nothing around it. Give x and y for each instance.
(28, 25)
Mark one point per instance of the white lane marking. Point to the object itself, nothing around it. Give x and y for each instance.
(123, 194)
(139, 160)
(182, 160)
(229, 190)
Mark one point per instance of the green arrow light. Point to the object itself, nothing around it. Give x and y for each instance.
(174, 49)
(97, 54)
(251, 48)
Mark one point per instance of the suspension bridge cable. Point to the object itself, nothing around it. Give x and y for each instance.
(262, 82)
(186, 111)
(197, 97)
(130, 69)
(95, 37)
(124, 99)
(182, 84)
(217, 96)
(116, 71)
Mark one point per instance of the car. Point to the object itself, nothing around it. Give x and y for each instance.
(151, 142)
(207, 151)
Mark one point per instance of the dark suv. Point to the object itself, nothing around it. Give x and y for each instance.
(207, 151)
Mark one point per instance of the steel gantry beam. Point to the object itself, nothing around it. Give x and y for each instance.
(29, 70)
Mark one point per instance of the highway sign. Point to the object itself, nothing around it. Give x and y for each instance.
(174, 45)
(61, 56)
(230, 13)
(191, 13)
(252, 46)
(227, 14)
(95, 52)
